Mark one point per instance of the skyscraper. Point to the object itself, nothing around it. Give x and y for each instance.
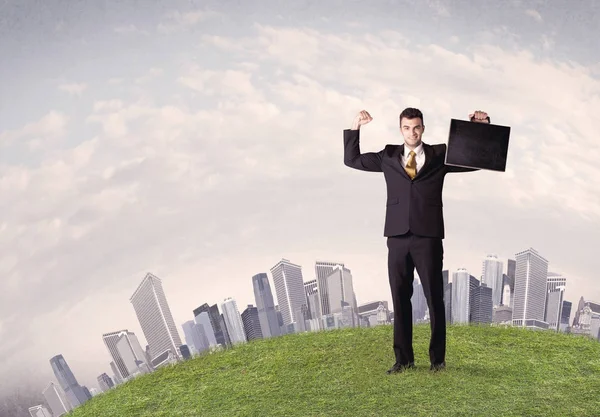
(418, 301)
(195, 335)
(463, 288)
(448, 302)
(566, 314)
(531, 276)
(67, 381)
(154, 315)
(555, 280)
(312, 299)
(39, 411)
(481, 308)
(341, 290)
(289, 287)
(251, 323)
(265, 305)
(233, 321)
(116, 373)
(105, 382)
(327, 282)
(131, 342)
(492, 277)
(56, 399)
(205, 330)
(511, 267)
(554, 305)
(216, 323)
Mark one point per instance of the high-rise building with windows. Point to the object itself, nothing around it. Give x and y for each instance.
(531, 287)
(289, 286)
(265, 305)
(155, 318)
(67, 381)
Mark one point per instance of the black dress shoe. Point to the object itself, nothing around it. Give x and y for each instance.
(400, 367)
(437, 366)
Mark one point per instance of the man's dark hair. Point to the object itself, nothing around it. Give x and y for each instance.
(411, 113)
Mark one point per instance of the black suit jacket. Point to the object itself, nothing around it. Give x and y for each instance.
(412, 205)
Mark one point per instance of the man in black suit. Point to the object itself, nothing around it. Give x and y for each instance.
(414, 225)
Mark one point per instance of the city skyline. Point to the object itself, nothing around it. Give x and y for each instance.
(205, 143)
(551, 282)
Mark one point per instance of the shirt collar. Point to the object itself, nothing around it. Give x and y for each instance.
(418, 150)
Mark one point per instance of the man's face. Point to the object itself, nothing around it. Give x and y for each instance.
(412, 130)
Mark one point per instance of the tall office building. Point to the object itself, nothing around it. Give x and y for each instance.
(265, 305)
(492, 277)
(233, 321)
(195, 335)
(507, 294)
(556, 285)
(554, 305)
(251, 323)
(313, 299)
(332, 279)
(56, 399)
(216, 322)
(531, 276)
(566, 314)
(133, 356)
(509, 279)
(511, 268)
(131, 343)
(418, 301)
(310, 286)
(105, 382)
(555, 280)
(341, 290)
(204, 328)
(67, 381)
(116, 373)
(226, 333)
(289, 287)
(463, 288)
(154, 315)
(481, 309)
(448, 302)
(39, 411)
(578, 311)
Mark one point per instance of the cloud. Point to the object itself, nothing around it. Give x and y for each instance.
(75, 89)
(177, 20)
(211, 83)
(43, 132)
(534, 14)
(150, 75)
(439, 8)
(547, 42)
(248, 168)
(131, 28)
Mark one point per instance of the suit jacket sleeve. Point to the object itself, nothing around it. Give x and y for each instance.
(369, 161)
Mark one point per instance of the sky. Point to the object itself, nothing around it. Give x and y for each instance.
(202, 142)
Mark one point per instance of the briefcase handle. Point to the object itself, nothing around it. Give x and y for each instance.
(488, 119)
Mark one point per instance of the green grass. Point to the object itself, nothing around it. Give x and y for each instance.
(490, 371)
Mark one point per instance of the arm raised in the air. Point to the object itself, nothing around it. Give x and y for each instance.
(369, 161)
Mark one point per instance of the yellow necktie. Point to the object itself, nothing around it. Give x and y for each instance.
(411, 165)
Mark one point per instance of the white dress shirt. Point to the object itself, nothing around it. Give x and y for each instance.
(419, 157)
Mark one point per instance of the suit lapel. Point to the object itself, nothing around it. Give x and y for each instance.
(398, 157)
(428, 149)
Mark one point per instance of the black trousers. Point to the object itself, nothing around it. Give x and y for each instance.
(405, 253)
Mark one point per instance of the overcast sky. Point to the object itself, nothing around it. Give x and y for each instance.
(202, 142)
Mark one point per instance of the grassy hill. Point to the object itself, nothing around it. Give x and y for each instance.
(490, 371)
